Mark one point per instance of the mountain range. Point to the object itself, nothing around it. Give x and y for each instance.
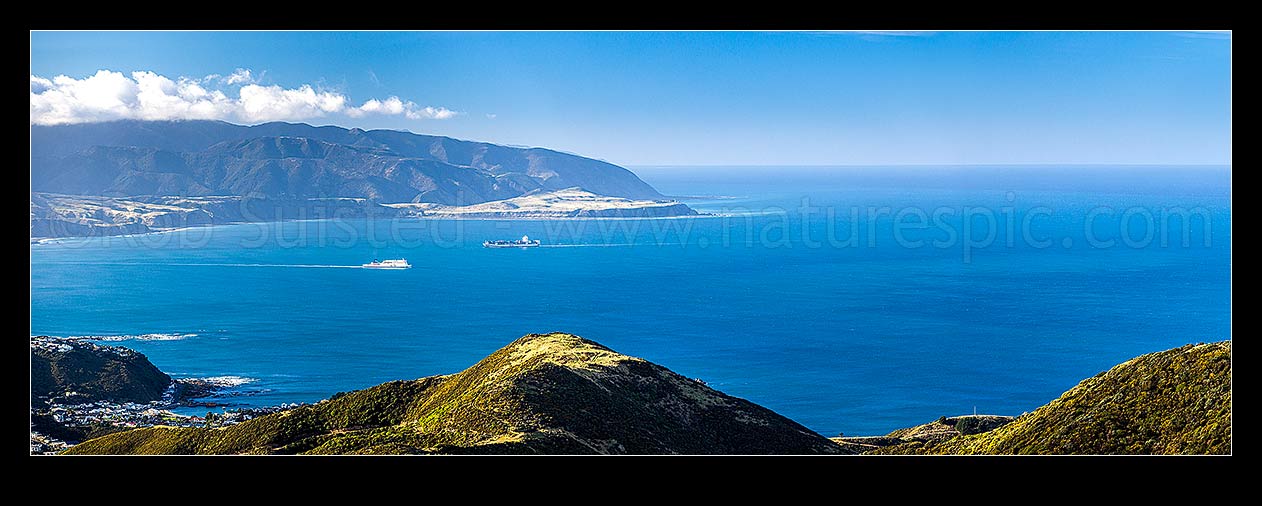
(300, 161)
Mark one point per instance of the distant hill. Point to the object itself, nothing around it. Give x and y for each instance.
(1171, 402)
(544, 393)
(295, 161)
(93, 372)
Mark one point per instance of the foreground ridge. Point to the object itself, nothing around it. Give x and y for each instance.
(1171, 402)
(543, 393)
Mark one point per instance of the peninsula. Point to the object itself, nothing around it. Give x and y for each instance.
(568, 203)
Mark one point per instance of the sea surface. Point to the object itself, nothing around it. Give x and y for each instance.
(850, 299)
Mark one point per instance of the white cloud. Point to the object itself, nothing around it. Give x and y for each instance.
(39, 84)
(432, 113)
(395, 106)
(105, 95)
(159, 98)
(109, 95)
(267, 103)
(391, 105)
(240, 76)
(491, 115)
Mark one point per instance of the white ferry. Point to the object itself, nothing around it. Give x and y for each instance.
(524, 242)
(388, 264)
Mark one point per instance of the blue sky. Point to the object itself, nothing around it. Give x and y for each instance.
(687, 98)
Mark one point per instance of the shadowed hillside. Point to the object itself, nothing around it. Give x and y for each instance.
(289, 161)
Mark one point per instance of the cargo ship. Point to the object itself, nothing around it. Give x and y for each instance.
(524, 242)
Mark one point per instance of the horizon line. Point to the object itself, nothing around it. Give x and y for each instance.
(952, 164)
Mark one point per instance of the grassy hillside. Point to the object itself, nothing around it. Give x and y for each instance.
(544, 393)
(93, 372)
(1171, 402)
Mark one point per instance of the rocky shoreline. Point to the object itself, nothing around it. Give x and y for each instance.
(68, 407)
(937, 431)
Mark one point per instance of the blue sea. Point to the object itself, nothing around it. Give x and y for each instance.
(850, 299)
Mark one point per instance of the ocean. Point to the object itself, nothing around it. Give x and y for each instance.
(850, 299)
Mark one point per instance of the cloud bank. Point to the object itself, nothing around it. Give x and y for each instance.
(109, 95)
